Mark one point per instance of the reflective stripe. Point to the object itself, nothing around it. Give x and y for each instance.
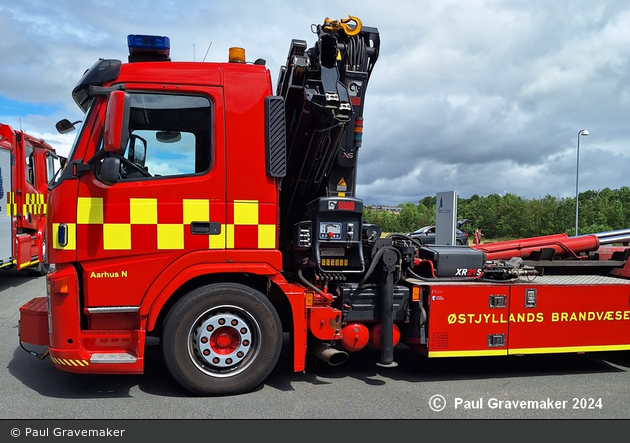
(143, 211)
(90, 211)
(170, 236)
(34, 204)
(266, 236)
(116, 236)
(250, 224)
(245, 212)
(196, 210)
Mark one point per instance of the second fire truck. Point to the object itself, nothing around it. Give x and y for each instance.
(27, 164)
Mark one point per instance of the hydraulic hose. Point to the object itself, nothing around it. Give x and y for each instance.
(375, 261)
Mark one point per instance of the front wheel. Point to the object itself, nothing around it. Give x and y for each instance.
(222, 339)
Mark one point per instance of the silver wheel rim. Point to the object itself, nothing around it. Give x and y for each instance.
(224, 341)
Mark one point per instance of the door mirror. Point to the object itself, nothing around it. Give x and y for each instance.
(109, 170)
(65, 127)
(137, 152)
(116, 133)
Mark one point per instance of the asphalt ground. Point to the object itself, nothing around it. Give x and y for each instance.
(565, 387)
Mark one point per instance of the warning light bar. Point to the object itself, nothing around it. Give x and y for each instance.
(148, 47)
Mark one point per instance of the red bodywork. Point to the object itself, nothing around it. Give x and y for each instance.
(551, 314)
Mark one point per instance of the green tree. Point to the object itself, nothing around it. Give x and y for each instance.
(511, 217)
(410, 218)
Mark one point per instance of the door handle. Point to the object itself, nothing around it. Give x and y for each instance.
(205, 228)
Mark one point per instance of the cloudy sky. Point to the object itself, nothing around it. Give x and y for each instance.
(474, 96)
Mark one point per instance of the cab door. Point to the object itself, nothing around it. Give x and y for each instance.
(166, 208)
(6, 219)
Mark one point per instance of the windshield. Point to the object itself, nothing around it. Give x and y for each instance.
(424, 228)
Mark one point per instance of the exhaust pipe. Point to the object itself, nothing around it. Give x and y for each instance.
(330, 355)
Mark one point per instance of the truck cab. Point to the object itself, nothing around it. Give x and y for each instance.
(170, 185)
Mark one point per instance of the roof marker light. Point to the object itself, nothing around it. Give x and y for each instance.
(148, 47)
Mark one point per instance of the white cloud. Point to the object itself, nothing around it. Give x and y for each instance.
(475, 96)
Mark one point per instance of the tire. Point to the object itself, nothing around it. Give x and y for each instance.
(42, 268)
(38, 270)
(239, 352)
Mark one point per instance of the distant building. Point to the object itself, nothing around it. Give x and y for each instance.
(394, 209)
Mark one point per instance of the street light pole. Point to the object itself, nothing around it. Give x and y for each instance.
(583, 132)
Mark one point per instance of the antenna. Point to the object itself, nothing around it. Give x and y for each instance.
(204, 57)
(194, 59)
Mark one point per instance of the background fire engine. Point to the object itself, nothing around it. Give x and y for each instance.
(26, 166)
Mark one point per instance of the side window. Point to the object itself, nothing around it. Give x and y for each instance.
(170, 135)
(30, 164)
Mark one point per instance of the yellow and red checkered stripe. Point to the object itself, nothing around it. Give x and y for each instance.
(34, 204)
(148, 223)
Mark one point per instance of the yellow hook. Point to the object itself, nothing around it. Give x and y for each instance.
(335, 25)
(351, 30)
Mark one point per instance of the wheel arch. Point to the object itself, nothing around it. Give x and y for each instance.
(262, 283)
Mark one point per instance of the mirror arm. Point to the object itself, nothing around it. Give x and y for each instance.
(100, 154)
(81, 168)
(78, 168)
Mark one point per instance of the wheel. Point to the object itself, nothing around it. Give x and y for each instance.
(222, 339)
(38, 270)
(459, 242)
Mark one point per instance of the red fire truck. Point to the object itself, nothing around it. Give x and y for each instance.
(27, 164)
(203, 211)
